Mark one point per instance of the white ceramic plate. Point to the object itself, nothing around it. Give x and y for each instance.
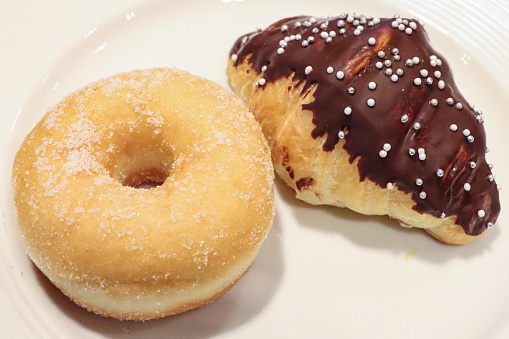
(323, 271)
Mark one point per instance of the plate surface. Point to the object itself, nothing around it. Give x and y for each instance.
(323, 271)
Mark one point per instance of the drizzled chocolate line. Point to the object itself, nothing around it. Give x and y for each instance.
(392, 98)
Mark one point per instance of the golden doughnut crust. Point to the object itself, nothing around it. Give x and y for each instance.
(135, 253)
(324, 177)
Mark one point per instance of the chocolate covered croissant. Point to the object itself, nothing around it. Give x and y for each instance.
(362, 113)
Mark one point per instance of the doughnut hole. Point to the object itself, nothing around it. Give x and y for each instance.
(140, 161)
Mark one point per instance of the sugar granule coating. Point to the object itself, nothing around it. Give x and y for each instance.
(144, 253)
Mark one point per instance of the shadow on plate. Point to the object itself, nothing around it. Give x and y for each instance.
(236, 307)
(380, 232)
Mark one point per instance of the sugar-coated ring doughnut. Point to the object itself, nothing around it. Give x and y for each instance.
(133, 253)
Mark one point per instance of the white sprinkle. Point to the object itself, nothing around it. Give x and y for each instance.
(399, 72)
(409, 62)
(388, 71)
(417, 126)
(312, 20)
(466, 132)
(470, 138)
(341, 134)
(417, 81)
(453, 127)
(394, 24)
(308, 70)
(394, 78)
(382, 153)
(298, 36)
(372, 85)
(395, 51)
(419, 182)
(347, 110)
(397, 57)
(404, 118)
(376, 21)
(381, 54)
(422, 154)
(324, 35)
(408, 30)
(429, 80)
(261, 82)
(423, 195)
(424, 72)
(438, 74)
(467, 187)
(440, 172)
(340, 75)
(280, 50)
(387, 147)
(411, 151)
(284, 28)
(357, 32)
(401, 27)
(264, 68)
(371, 102)
(449, 101)
(433, 63)
(387, 63)
(433, 102)
(416, 60)
(489, 225)
(234, 57)
(379, 65)
(351, 90)
(472, 164)
(481, 213)
(390, 185)
(441, 84)
(332, 34)
(305, 43)
(328, 39)
(330, 69)
(413, 25)
(341, 23)
(459, 106)
(439, 62)
(371, 41)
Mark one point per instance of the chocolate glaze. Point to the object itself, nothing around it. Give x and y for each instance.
(464, 186)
